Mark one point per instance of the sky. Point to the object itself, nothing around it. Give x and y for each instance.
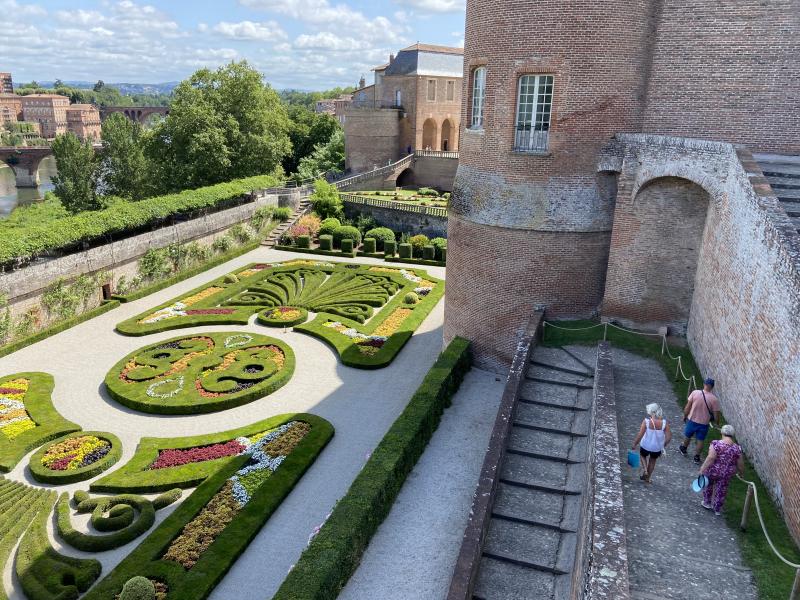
(300, 44)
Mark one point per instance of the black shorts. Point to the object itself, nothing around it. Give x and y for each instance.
(645, 453)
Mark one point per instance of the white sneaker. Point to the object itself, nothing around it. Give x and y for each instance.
(717, 513)
(706, 506)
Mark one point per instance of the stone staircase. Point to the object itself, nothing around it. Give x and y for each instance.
(303, 208)
(783, 174)
(532, 538)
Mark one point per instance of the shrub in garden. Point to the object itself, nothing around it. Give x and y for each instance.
(390, 248)
(310, 222)
(410, 298)
(326, 200)
(347, 245)
(369, 245)
(138, 588)
(326, 242)
(346, 232)
(285, 239)
(405, 250)
(303, 241)
(328, 226)
(428, 252)
(426, 191)
(295, 231)
(282, 213)
(381, 236)
(418, 242)
(364, 222)
(230, 278)
(261, 217)
(439, 243)
(222, 244)
(443, 255)
(240, 234)
(446, 196)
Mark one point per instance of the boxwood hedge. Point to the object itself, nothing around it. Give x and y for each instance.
(333, 555)
(120, 218)
(49, 423)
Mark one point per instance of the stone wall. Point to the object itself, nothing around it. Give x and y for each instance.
(400, 220)
(744, 319)
(26, 286)
(435, 172)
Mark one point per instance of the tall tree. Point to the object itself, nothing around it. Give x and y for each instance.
(325, 157)
(123, 169)
(222, 125)
(308, 130)
(76, 181)
(99, 85)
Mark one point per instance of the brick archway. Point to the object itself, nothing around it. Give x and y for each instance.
(429, 131)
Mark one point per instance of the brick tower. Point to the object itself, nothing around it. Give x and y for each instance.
(547, 84)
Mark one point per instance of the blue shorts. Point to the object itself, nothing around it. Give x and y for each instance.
(697, 430)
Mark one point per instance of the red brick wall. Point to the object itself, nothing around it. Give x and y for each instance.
(730, 71)
(655, 246)
(503, 273)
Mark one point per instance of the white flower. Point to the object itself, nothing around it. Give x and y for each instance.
(151, 389)
(240, 339)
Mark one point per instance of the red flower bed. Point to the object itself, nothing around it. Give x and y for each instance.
(177, 457)
(210, 311)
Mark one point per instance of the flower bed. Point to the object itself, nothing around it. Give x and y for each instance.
(177, 456)
(282, 294)
(202, 373)
(196, 545)
(75, 457)
(27, 416)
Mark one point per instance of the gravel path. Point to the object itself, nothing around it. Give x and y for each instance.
(415, 549)
(361, 405)
(677, 550)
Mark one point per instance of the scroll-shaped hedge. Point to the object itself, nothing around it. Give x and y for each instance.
(27, 416)
(196, 545)
(201, 373)
(362, 310)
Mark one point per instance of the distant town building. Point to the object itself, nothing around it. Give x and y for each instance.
(6, 84)
(336, 107)
(84, 121)
(48, 110)
(414, 104)
(10, 108)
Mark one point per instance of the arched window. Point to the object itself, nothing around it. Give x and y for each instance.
(478, 97)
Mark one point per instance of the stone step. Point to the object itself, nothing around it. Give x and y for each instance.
(558, 418)
(532, 545)
(502, 580)
(554, 395)
(546, 508)
(560, 357)
(787, 194)
(570, 371)
(556, 446)
(766, 157)
(540, 472)
(780, 170)
(784, 183)
(544, 373)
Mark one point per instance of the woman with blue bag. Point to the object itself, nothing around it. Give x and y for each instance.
(654, 435)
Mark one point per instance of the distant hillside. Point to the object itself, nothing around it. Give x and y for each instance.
(124, 88)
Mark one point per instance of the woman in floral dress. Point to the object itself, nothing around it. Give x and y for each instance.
(724, 460)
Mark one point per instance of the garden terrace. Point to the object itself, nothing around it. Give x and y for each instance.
(79, 358)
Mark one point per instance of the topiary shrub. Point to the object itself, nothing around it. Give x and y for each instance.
(304, 241)
(410, 298)
(326, 242)
(405, 250)
(369, 246)
(347, 245)
(328, 226)
(381, 235)
(426, 191)
(443, 255)
(428, 252)
(346, 232)
(138, 588)
(418, 242)
(230, 278)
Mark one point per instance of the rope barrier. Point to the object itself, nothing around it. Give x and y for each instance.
(752, 491)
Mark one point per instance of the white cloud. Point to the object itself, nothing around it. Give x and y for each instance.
(248, 30)
(11, 9)
(329, 41)
(436, 6)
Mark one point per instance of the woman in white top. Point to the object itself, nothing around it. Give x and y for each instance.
(654, 435)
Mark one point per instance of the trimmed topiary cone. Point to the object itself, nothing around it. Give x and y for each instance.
(138, 588)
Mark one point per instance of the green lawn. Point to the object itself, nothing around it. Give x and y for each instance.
(773, 578)
(404, 196)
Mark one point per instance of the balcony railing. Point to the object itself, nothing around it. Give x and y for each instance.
(531, 141)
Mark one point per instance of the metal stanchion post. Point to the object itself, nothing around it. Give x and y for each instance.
(678, 369)
(605, 332)
(746, 510)
(795, 595)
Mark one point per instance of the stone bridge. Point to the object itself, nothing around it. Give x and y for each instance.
(424, 168)
(25, 162)
(137, 114)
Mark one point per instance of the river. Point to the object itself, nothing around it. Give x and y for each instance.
(11, 196)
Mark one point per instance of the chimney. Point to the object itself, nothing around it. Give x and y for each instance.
(362, 83)
(391, 58)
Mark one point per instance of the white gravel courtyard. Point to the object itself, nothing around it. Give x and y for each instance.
(360, 404)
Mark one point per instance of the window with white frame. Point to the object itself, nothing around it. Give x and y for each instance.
(478, 97)
(431, 90)
(534, 102)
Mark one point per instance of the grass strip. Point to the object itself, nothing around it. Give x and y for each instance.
(333, 555)
(773, 578)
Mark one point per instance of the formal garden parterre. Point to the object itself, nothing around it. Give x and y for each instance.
(366, 312)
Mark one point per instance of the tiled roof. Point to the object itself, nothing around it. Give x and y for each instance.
(434, 48)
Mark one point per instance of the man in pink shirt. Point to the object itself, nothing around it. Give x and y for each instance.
(701, 407)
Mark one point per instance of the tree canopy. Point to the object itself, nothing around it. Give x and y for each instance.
(123, 167)
(75, 184)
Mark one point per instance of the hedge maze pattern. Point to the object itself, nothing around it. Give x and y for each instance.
(201, 373)
(366, 313)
